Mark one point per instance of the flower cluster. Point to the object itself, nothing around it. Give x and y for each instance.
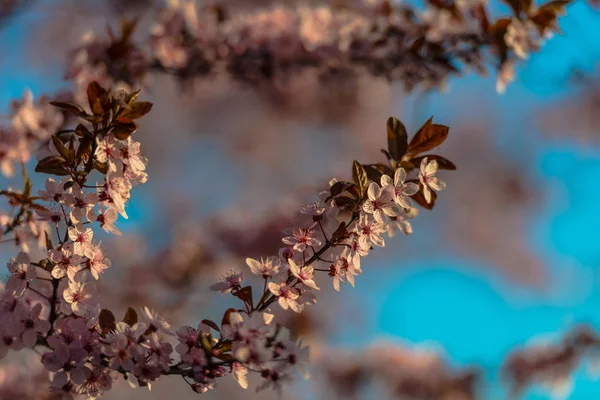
(332, 234)
(52, 303)
(31, 123)
(415, 47)
(550, 364)
(408, 371)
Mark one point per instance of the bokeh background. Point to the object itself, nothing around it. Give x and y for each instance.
(509, 254)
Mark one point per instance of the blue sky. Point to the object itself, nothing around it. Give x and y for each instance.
(476, 315)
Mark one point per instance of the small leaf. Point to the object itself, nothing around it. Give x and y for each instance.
(69, 107)
(136, 111)
(82, 131)
(85, 147)
(131, 317)
(102, 167)
(344, 202)
(60, 146)
(132, 97)
(397, 138)
(123, 130)
(97, 98)
(225, 320)
(359, 176)
(429, 136)
(53, 165)
(419, 198)
(337, 188)
(211, 324)
(204, 339)
(374, 173)
(245, 294)
(107, 321)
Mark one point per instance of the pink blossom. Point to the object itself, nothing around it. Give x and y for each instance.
(81, 297)
(265, 267)
(304, 274)
(428, 179)
(82, 240)
(65, 262)
(286, 295)
(231, 281)
(301, 239)
(21, 274)
(379, 203)
(401, 191)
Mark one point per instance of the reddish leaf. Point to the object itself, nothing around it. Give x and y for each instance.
(397, 138)
(97, 97)
(429, 136)
(53, 165)
(137, 110)
(225, 320)
(211, 324)
(131, 317)
(123, 130)
(245, 294)
(359, 176)
(419, 198)
(107, 321)
(69, 107)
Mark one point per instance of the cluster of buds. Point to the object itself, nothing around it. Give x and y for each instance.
(400, 43)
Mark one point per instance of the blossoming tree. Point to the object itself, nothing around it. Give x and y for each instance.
(85, 144)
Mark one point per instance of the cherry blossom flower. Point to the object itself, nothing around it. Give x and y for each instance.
(65, 262)
(401, 191)
(32, 325)
(81, 297)
(315, 209)
(240, 374)
(231, 281)
(286, 295)
(80, 202)
(106, 217)
(82, 240)
(54, 191)
(107, 150)
(98, 263)
(428, 179)
(67, 364)
(159, 351)
(132, 156)
(304, 274)
(194, 359)
(301, 239)
(379, 203)
(53, 214)
(265, 267)
(369, 232)
(21, 274)
(155, 322)
(97, 383)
